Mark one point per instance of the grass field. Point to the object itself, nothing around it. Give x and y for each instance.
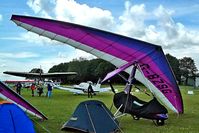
(60, 107)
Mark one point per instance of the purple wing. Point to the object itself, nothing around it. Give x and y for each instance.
(154, 70)
(8, 94)
(117, 71)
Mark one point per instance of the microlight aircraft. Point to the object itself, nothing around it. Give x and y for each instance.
(153, 69)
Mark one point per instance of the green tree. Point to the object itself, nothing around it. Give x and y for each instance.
(36, 70)
(175, 65)
(88, 70)
(187, 67)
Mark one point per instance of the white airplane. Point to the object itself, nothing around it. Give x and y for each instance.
(83, 88)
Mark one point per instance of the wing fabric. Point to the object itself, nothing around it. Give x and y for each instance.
(8, 94)
(117, 71)
(118, 50)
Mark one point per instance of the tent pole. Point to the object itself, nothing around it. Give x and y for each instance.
(130, 80)
(90, 118)
(112, 119)
(13, 121)
(128, 87)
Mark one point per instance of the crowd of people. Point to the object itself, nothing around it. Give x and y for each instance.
(40, 91)
(36, 89)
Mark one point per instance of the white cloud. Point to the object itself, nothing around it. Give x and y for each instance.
(175, 37)
(171, 34)
(1, 17)
(12, 38)
(14, 65)
(80, 53)
(70, 10)
(61, 57)
(43, 7)
(34, 38)
(3, 65)
(18, 55)
(132, 20)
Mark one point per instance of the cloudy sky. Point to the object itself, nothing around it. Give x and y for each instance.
(171, 24)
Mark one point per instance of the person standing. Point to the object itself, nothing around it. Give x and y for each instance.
(33, 88)
(49, 90)
(40, 90)
(18, 88)
(90, 91)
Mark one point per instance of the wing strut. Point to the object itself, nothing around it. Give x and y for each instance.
(131, 80)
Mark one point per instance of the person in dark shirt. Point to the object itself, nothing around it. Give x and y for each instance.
(49, 90)
(40, 90)
(18, 88)
(90, 91)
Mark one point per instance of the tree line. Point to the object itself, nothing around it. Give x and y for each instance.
(91, 70)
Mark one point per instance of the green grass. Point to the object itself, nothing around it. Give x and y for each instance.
(60, 107)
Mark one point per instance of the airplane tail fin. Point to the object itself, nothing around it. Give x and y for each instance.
(98, 85)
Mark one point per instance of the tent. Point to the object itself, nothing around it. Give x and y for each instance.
(14, 120)
(93, 117)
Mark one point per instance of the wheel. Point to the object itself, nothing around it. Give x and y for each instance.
(135, 117)
(160, 122)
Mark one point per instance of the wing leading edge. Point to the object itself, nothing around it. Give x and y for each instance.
(117, 49)
(38, 75)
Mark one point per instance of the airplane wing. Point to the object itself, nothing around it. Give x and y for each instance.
(69, 89)
(57, 75)
(154, 70)
(108, 89)
(22, 74)
(38, 75)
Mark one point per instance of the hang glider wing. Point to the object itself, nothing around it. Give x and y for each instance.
(9, 95)
(154, 71)
(117, 71)
(40, 75)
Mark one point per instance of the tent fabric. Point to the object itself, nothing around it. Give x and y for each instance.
(93, 117)
(14, 120)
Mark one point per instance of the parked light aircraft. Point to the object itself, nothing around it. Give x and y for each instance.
(83, 88)
(40, 77)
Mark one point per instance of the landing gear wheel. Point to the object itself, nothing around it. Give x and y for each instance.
(135, 117)
(160, 122)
